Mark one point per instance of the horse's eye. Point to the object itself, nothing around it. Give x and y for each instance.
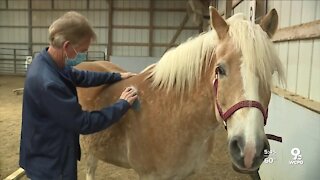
(221, 71)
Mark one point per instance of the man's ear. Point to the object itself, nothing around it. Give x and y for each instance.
(65, 44)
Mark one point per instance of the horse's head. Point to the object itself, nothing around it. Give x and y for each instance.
(245, 62)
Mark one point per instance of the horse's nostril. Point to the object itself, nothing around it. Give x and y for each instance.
(236, 147)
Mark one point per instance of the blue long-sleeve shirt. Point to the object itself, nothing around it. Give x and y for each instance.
(52, 118)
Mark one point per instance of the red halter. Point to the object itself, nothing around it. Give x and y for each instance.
(242, 104)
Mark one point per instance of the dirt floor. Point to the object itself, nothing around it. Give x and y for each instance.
(218, 166)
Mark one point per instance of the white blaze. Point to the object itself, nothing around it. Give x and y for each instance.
(253, 119)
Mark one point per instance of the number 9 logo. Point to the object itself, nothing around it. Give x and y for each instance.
(295, 152)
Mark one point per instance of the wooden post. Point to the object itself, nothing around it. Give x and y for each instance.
(88, 5)
(228, 8)
(213, 3)
(235, 3)
(305, 102)
(16, 175)
(30, 48)
(174, 38)
(261, 9)
(15, 61)
(110, 23)
(52, 4)
(151, 14)
(310, 30)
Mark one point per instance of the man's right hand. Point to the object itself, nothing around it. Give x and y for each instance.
(129, 94)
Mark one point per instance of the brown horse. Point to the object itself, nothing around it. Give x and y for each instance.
(170, 135)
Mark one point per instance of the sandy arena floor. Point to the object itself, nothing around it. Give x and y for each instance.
(218, 166)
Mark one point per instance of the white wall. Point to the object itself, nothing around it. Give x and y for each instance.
(299, 128)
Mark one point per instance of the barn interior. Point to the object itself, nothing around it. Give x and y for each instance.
(134, 34)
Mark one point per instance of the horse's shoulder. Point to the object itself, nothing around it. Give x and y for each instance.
(100, 66)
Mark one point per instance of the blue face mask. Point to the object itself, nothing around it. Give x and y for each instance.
(79, 58)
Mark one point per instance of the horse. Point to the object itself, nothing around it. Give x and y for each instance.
(223, 76)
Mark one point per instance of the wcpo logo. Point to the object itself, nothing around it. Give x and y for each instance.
(297, 157)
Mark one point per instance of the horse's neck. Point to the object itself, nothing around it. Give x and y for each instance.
(200, 96)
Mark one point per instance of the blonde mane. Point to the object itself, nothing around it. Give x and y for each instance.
(258, 52)
(181, 67)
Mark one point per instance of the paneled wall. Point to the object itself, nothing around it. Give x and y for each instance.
(300, 58)
(132, 31)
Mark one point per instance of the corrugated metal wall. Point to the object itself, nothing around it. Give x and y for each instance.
(14, 23)
(13, 36)
(44, 12)
(130, 32)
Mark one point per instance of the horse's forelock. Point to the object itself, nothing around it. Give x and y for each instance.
(257, 50)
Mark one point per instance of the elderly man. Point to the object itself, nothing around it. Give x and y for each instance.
(52, 118)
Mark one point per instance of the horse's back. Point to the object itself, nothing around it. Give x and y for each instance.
(87, 96)
(100, 66)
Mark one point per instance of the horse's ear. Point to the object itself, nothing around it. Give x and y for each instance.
(218, 23)
(269, 23)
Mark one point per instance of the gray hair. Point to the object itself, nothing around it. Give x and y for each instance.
(72, 27)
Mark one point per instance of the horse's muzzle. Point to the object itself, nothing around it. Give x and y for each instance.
(247, 157)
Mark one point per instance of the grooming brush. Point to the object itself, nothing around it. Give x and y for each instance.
(136, 104)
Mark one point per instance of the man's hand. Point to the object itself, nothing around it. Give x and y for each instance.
(129, 94)
(126, 75)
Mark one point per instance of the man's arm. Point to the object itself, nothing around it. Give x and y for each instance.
(66, 111)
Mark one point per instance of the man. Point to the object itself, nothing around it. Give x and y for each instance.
(52, 118)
